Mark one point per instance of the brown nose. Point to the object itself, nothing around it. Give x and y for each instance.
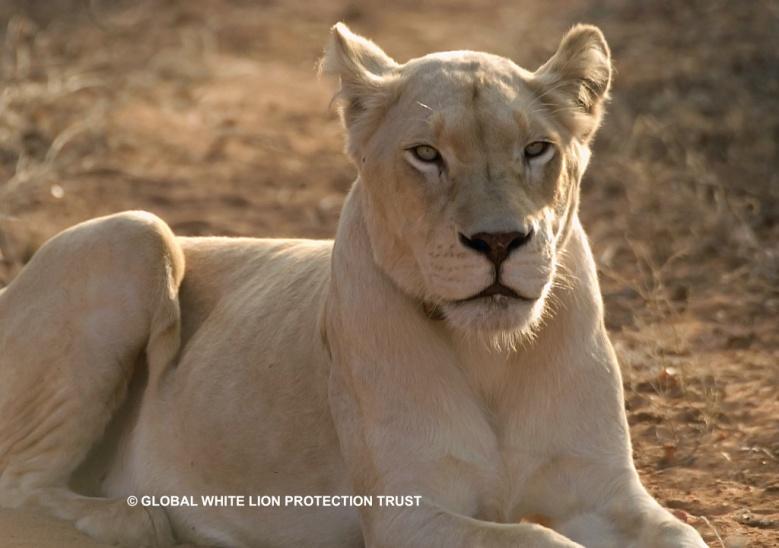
(497, 246)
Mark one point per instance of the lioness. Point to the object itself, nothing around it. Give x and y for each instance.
(449, 344)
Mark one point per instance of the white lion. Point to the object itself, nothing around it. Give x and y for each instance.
(449, 344)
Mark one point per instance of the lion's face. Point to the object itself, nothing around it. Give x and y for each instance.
(471, 166)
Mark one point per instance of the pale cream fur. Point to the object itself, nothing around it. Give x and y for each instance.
(306, 367)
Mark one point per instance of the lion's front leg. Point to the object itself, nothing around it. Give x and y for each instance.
(652, 525)
(627, 516)
(392, 453)
(431, 526)
(666, 531)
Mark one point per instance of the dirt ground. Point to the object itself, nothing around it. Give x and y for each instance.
(209, 114)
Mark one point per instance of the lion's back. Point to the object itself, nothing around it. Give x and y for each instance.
(264, 279)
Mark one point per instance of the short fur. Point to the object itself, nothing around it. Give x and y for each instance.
(136, 362)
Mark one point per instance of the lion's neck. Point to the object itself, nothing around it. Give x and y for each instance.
(352, 247)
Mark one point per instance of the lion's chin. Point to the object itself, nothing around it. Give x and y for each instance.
(501, 320)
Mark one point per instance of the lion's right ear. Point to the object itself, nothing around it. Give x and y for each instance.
(364, 71)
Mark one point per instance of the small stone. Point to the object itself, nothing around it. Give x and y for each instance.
(57, 191)
(736, 541)
(331, 204)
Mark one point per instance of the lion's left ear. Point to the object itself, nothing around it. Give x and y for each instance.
(579, 76)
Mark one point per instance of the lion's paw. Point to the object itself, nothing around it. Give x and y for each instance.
(672, 535)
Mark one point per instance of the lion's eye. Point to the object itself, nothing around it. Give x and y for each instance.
(536, 149)
(426, 153)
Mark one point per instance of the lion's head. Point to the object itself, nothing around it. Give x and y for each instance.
(470, 167)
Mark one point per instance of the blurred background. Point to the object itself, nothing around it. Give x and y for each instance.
(209, 113)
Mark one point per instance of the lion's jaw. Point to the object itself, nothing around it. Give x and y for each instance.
(477, 114)
(427, 260)
(528, 273)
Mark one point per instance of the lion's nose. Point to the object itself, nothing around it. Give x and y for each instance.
(496, 246)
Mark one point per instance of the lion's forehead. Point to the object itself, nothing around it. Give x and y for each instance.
(472, 104)
(464, 63)
(461, 77)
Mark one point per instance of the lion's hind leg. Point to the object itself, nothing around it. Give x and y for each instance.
(72, 326)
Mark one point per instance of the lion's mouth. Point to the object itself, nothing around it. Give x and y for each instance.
(496, 288)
